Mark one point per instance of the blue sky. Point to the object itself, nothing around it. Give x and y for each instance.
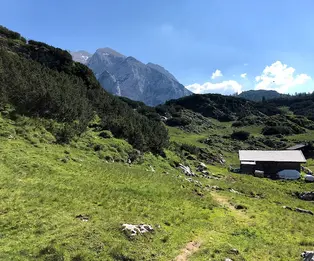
(206, 44)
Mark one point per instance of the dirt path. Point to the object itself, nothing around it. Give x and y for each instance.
(188, 250)
(224, 201)
(194, 246)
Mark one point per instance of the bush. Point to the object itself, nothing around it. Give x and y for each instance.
(275, 130)
(238, 124)
(178, 121)
(240, 135)
(8, 33)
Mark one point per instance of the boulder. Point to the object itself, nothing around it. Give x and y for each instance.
(308, 255)
(201, 167)
(82, 217)
(187, 170)
(234, 191)
(133, 230)
(309, 178)
(309, 196)
(234, 251)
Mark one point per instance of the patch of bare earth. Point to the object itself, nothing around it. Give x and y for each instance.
(224, 201)
(188, 250)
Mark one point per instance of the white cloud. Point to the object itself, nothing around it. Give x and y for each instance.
(243, 75)
(225, 87)
(279, 77)
(216, 74)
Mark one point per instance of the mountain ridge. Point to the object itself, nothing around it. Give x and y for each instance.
(149, 83)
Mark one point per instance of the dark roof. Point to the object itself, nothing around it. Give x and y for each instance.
(297, 147)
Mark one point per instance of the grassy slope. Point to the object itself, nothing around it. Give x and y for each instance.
(44, 186)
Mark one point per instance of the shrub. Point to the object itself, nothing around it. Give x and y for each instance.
(177, 121)
(238, 124)
(240, 135)
(275, 130)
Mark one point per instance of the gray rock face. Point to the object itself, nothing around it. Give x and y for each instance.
(161, 70)
(81, 56)
(128, 77)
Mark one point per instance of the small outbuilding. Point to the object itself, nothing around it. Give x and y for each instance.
(270, 161)
(307, 149)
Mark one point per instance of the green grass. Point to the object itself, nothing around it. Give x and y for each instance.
(44, 186)
(308, 136)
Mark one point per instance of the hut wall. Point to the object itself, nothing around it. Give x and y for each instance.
(274, 167)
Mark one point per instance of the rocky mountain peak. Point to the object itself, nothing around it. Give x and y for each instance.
(108, 51)
(129, 77)
(81, 56)
(161, 70)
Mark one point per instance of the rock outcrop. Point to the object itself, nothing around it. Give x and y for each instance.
(133, 230)
(128, 77)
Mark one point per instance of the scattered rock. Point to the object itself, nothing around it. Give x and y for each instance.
(228, 259)
(309, 196)
(299, 210)
(234, 251)
(306, 170)
(196, 182)
(187, 170)
(235, 191)
(133, 230)
(65, 160)
(82, 217)
(304, 211)
(199, 193)
(222, 161)
(201, 167)
(214, 187)
(151, 169)
(309, 178)
(163, 118)
(308, 255)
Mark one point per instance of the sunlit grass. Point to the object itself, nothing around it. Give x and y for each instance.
(44, 186)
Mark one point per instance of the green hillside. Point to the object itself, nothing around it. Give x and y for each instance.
(260, 95)
(43, 81)
(77, 163)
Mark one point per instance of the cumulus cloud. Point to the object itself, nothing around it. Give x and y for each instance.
(225, 87)
(216, 74)
(243, 75)
(279, 77)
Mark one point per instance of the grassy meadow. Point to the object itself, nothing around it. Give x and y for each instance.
(45, 186)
